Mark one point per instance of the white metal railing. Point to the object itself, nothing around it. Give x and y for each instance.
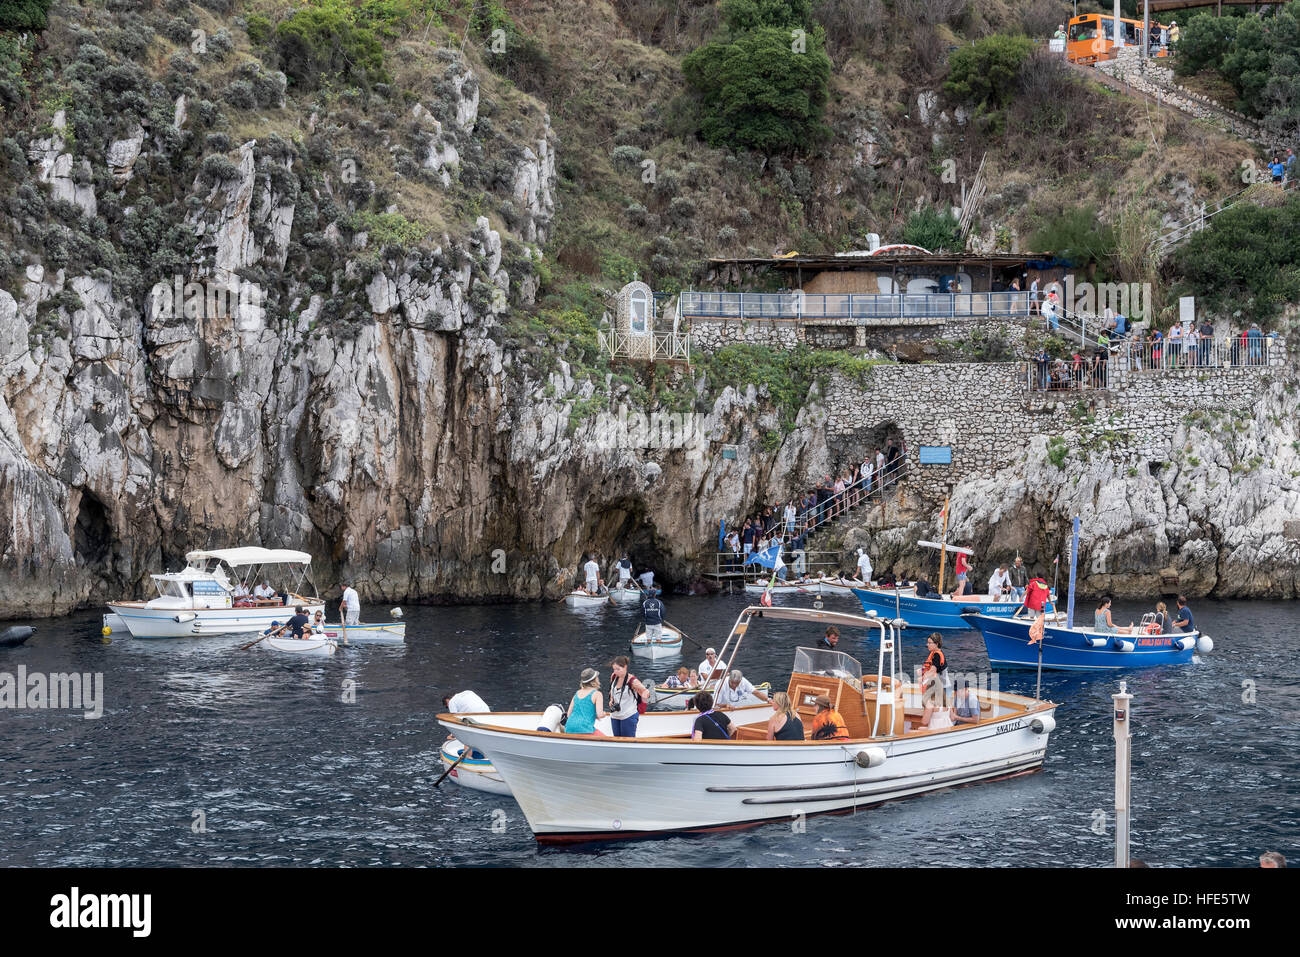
(1090, 369)
(802, 306)
(649, 346)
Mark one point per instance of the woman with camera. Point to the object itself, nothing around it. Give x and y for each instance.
(626, 692)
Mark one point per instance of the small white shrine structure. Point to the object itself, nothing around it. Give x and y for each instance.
(638, 333)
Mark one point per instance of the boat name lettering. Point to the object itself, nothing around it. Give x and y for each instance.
(1010, 727)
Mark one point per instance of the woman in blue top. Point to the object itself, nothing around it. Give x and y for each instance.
(587, 706)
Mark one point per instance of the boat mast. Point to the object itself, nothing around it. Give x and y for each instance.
(1074, 562)
(943, 542)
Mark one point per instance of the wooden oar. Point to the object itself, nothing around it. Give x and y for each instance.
(343, 624)
(278, 631)
(466, 749)
(684, 635)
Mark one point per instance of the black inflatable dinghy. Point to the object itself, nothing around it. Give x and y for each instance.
(14, 636)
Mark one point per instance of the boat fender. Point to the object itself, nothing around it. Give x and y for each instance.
(1123, 644)
(1205, 644)
(1094, 642)
(396, 613)
(551, 718)
(870, 758)
(1043, 724)
(1185, 643)
(183, 618)
(871, 613)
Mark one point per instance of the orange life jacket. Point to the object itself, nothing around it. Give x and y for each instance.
(830, 726)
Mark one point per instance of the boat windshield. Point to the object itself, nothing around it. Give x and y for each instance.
(171, 588)
(817, 661)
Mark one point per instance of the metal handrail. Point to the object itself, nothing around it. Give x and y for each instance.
(1127, 357)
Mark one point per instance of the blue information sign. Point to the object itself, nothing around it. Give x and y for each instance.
(936, 455)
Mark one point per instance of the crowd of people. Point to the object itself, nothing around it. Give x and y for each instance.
(788, 523)
(1128, 348)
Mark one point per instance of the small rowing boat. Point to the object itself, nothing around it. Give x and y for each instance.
(666, 646)
(315, 645)
(376, 633)
(629, 595)
(579, 598)
(841, 587)
(803, 586)
(476, 773)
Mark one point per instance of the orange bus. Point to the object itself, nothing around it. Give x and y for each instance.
(1091, 37)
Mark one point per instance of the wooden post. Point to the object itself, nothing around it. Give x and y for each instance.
(943, 542)
(1123, 754)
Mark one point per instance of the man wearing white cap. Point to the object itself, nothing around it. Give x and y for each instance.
(864, 565)
(709, 665)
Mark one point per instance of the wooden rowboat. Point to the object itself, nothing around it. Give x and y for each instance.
(667, 646)
(578, 598)
(319, 646)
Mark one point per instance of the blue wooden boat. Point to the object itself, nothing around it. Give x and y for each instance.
(1082, 649)
(935, 613)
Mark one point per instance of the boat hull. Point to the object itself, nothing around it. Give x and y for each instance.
(568, 792)
(930, 613)
(473, 773)
(145, 622)
(307, 647)
(1007, 643)
(390, 633)
(626, 595)
(669, 646)
(580, 599)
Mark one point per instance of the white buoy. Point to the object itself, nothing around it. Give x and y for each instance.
(1092, 642)
(396, 613)
(1124, 645)
(1205, 644)
(1043, 724)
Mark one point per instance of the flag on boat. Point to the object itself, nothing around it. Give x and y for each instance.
(766, 599)
(768, 558)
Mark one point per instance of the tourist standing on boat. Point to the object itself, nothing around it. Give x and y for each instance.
(1184, 620)
(999, 582)
(587, 706)
(784, 725)
(1019, 579)
(591, 571)
(830, 639)
(710, 665)
(865, 570)
(1102, 621)
(652, 613)
(935, 669)
(626, 692)
(963, 568)
(828, 724)
(350, 606)
(735, 690)
(647, 580)
(710, 725)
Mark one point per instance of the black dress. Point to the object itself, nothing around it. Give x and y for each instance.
(792, 730)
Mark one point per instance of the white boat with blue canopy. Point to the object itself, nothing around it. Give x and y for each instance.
(201, 599)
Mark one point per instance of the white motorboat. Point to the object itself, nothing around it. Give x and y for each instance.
(200, 598)
(666, 782)
(840, 587)
(314, 645)
(579, 598)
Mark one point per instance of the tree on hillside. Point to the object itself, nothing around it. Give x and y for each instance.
(1203, 43)
(766, 85)
(985, 72)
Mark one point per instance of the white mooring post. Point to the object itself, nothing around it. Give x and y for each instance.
(1123, 718)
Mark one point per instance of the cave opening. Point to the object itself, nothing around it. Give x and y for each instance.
(92, 537)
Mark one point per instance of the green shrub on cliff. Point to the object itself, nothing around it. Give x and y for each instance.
(24, 14)
(325, 42)
(933, 229)
(985, 73)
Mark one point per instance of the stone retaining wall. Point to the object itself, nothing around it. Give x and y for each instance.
(983, 412)
(709, 335)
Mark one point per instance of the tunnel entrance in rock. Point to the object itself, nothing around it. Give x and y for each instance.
(850, 448)
(92, 537)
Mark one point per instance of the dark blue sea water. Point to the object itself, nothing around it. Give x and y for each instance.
(265, 751)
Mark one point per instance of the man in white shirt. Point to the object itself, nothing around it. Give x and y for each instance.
(734, 691)
(467, 702)
(709, 665)
(591, 571)
(647, 579)
(264, 590)
(864, 566)
(624, 567)
(350, 606)
(999, 582)
(790, 516)
(241, 590)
